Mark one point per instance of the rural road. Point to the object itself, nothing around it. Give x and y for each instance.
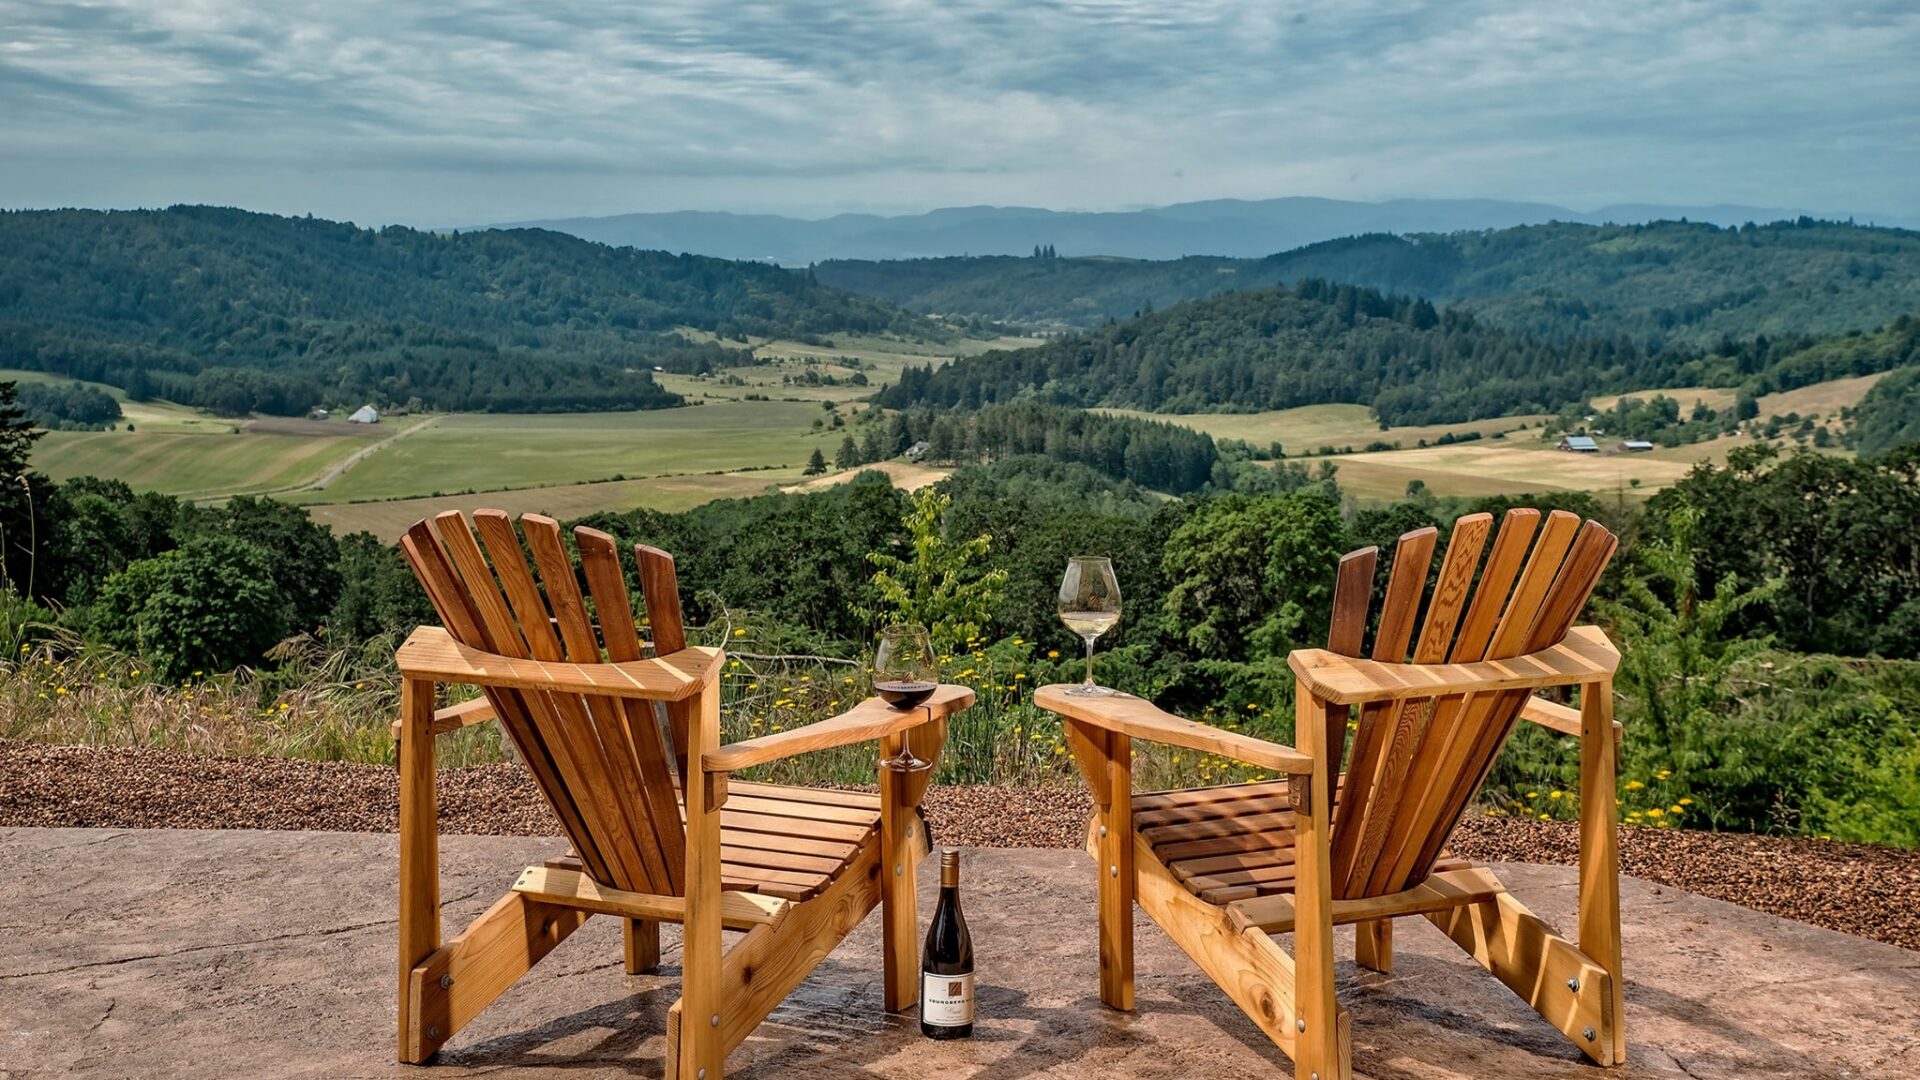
(355, 458)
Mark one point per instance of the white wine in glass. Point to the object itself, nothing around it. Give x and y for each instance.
(1089, 606)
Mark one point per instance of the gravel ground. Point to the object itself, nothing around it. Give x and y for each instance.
(1854, 888)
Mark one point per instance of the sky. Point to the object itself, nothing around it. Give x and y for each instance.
(452, 112)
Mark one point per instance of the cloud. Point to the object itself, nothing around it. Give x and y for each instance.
(469, 110)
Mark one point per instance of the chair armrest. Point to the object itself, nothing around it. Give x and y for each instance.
(1584, 656)
(1140, 719)
(1557, 717)
(431, 653)
(871, 719)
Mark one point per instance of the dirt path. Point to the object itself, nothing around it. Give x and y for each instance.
(340, 468)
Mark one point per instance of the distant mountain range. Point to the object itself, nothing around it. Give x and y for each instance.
(1668, 281)
(1232, 227)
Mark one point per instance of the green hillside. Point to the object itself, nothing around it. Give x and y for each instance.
(1279, 348)
(1321, 343)
(238, 312)
(1667, 282)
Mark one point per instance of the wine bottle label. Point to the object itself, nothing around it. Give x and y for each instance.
(946, 1000)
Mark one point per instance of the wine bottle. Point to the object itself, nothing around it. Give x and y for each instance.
(946, 964)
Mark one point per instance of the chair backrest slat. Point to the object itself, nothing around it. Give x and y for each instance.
(600, 560)
(1352, 602)
(1386, 833)
(1398, 611)
(562, 720)
(1416, 764)
(599, 761)
(660, 590)
(435, 571)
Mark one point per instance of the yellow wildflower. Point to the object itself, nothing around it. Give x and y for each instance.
(1634, 785)
(1655, 812)
(741, 632)
(1686, 802)
(1676, 809)
(1556, 795)
(1533, 794)
(1052, 654)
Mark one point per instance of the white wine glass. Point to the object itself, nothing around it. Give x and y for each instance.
(905, 676)
(1089, 606)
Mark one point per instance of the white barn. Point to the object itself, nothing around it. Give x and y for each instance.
(365, 414)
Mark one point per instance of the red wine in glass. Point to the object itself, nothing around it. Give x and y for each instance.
(903, 694)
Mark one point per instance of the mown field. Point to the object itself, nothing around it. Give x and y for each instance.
(387, 519)
(784, 366)
(1311, 427)
(490, 451)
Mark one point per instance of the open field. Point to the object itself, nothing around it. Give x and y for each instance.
(387, 520)
(1311, 427)
(1716, 397)
(1512, 467)
(483, 451)
(198, 466)
(879, 359)
(1824, 399)
(906, 475)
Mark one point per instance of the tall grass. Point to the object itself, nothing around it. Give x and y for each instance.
(322, 703)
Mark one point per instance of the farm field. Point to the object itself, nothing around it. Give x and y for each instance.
(1716, 397)
(489, 451)
(1824, 399)
(201, 465)
(1514, 467)
(906, 475)
(880, 359)
(388, 519)
(1311, 427)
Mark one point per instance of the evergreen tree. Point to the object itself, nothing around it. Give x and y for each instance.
(816, 463)
(848, 456)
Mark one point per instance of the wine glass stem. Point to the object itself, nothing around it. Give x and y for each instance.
(1089, 683)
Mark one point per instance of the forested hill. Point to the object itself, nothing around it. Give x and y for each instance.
(1659, 283)
(239, 311)
(1319, 342)
(1277, 348)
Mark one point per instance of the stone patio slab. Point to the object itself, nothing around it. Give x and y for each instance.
(163, 953)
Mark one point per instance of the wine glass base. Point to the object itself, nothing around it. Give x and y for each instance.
(1091, 691)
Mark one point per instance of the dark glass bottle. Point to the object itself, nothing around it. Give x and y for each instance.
(946, 964)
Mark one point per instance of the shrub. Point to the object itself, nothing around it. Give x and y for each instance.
(210, 606)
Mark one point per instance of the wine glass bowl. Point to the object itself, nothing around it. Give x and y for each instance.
(905, 675)
(1089, 606)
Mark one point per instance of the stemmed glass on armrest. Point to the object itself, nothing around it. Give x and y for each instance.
(905, 676)
(1089, 606)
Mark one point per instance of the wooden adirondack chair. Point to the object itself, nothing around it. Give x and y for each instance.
(794, 868)
(1221, 869)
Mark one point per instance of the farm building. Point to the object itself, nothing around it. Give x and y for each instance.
(1579, 444)
(918, 450)
(1635, 446)
(367, 414)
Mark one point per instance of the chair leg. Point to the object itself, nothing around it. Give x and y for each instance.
(1117, 884)
(1319, 1050)
(694, 1036)
(1599, 852)
(419, 849)
(900, 912)
(641, 941)
(1373, 945)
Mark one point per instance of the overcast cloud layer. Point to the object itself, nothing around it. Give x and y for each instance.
(460, 111)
